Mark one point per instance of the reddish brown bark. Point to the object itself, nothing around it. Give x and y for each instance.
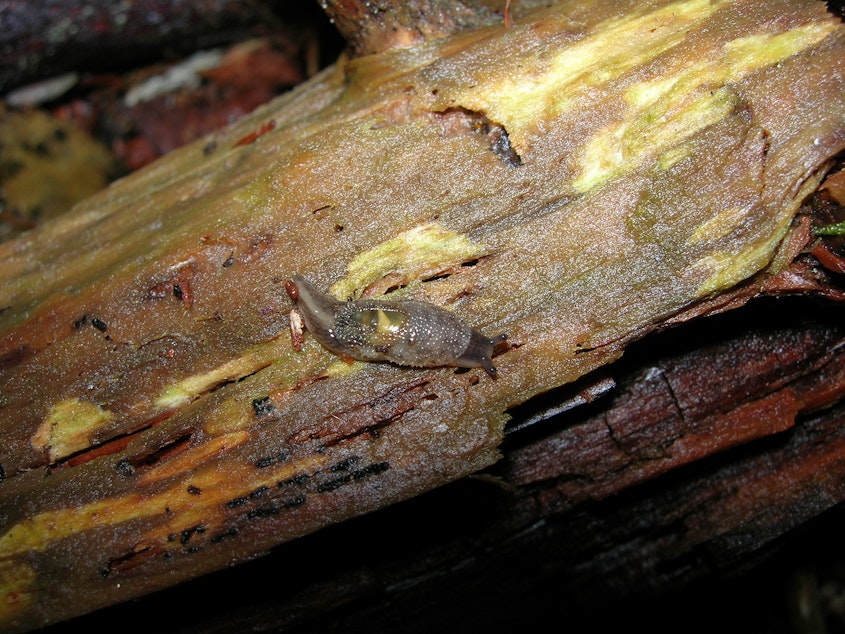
(371, 27)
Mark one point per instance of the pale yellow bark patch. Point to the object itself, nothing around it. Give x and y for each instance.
(424, 250)
(718, 226)
(44, 529)
(727, 269)
(69, 427)
(192, 387)
(614, 47)
(666, 112)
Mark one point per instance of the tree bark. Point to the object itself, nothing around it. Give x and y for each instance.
(575, 180)
(547, 535)
(373, 27)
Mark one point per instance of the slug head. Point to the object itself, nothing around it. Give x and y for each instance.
(318, 310)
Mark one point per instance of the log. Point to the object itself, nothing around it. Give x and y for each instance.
(531, 542)
(576, 180)
(40, 40)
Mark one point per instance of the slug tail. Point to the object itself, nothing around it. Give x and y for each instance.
(479, 352)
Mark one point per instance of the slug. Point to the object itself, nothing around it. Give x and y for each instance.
(405, 332)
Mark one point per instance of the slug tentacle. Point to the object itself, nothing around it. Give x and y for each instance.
(318, 311)
(404, 332)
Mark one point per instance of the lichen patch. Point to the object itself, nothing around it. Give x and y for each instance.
(70, 426)
(420, 252)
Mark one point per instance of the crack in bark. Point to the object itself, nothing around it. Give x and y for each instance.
(366, 418)
(151, 457)
(460, 120)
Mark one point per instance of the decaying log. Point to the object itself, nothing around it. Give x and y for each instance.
(547, 535)
(574, 180)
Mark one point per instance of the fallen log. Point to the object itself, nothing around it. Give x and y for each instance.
(575, 180)
(547, 534)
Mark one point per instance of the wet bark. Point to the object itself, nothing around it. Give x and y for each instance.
(372, 27)
(587, 520)
(160, 424)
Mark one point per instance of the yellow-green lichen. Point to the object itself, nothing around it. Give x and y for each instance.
(418, 252)
(191, 387)
(621, 147)
(342, 367)
(726, 269)
(69, 427)
(718, 226)
(659, 113)
(172, 397)
(664, 113)
(544, 89)
(41, 530)
(766, 49)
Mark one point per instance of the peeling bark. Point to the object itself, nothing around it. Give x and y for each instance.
(373, 27)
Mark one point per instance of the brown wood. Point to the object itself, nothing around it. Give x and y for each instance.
(160, 425)
(40, 40)
(541, 536)
(371, 27)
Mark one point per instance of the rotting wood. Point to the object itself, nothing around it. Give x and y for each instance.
(514, 547)
(685, 408)
(166, 433)
(370, 27)
(39, 42)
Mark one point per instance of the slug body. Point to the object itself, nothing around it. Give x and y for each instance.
(404, 332)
